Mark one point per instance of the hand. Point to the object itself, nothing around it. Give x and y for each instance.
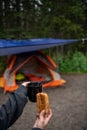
(42, 119)
(25, 83)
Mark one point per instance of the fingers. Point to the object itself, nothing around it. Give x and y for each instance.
(49, 115)
(50, 112)
(43, 115)
(25, 83)
(46, 115)
(37, 116)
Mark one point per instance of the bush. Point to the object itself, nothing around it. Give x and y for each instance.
(76, 62)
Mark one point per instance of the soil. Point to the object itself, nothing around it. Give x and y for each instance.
(68, 103)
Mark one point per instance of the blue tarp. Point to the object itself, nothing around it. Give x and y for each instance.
(8, 47)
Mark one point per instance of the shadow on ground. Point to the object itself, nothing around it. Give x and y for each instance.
(68, 103)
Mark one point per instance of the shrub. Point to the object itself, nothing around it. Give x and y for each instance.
(73, 62)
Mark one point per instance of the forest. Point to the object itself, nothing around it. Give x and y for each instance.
(24, 19)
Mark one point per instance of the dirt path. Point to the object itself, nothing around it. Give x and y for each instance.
(68, 103)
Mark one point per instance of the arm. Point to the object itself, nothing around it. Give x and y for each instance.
(13, 107)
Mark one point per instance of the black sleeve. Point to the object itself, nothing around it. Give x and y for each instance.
(36, 129)
(13, 107)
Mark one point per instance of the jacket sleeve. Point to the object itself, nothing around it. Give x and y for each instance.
(36, 129)
(13, 107)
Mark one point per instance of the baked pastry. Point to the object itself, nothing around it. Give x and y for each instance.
(42, 101)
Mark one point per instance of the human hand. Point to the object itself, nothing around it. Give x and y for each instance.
(42, 119)
(25, 83)
(33, 88)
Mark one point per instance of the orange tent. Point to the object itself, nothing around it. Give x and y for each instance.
(33, 66)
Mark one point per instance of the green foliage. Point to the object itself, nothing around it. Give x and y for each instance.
(73, 62)
(60, 26)
(42, 18)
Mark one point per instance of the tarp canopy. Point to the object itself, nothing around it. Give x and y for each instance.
(8, 47)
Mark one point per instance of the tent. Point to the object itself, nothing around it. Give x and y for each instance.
(34, 66)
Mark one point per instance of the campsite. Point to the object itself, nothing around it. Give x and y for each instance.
(43, 42)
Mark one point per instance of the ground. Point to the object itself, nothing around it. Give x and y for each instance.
(68, 103)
